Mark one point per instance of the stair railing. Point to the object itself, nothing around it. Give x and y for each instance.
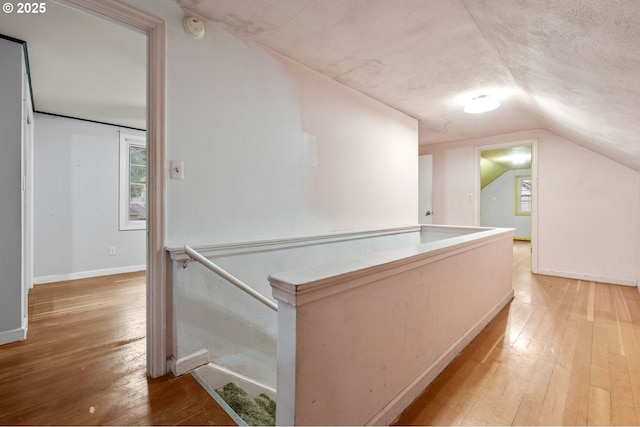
(196, 256)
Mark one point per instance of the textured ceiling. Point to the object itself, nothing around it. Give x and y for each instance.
(571, 67)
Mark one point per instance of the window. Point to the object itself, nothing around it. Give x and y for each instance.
(133, 182)
(523, 195)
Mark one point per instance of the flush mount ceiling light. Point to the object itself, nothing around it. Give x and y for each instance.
(481, 104)
(520, 158)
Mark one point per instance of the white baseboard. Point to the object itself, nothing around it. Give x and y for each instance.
(188, 363)
(19, 334)
(394, 409)
(588, 278)
(86, 274)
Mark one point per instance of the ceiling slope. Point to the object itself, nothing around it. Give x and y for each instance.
(579, 62)
(568, 66)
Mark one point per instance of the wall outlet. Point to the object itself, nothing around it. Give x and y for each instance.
(112, 250)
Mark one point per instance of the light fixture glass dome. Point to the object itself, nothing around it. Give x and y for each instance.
(481, 104)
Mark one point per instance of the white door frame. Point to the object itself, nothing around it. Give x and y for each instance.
(157, 261)
(425, 201)
(534, 190)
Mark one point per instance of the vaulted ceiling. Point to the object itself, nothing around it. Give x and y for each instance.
(569, 66)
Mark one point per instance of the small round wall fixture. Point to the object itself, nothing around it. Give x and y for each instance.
(481, 104)
(194, 27)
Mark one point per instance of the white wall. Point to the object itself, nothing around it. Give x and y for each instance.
(590, 221)
(11, 319)
(588, 208)
(363, 155)
(76, 202)
(271, 148)
(497, 204)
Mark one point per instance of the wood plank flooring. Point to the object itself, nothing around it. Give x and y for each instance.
(83, 363)
(564, 352)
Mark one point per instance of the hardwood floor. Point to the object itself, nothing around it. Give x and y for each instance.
(83, 363)
(564, 352)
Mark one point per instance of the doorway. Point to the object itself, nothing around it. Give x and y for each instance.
(156, 296)
(505, 189)
(506, 179)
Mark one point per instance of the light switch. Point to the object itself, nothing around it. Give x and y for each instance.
(177, 169)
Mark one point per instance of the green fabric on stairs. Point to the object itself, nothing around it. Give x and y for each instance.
(258, 411)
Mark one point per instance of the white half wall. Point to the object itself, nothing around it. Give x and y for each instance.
(273, 149)
(360, 339)
(76, 202)
(237, 332)
(588, 207)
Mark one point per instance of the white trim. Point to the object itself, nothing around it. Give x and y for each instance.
(127, 141)
(304, 286)
(13, 335)
(188, 363)
(588, 277)
(392, 410)
(177, 253)
(86, 274)
(286, 358)
(535, 214)
(157, 261)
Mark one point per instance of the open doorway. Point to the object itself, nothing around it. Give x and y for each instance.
(506, 190)
(152, 29)
(157, 297)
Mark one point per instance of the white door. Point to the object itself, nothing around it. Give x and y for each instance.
(425, 209)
